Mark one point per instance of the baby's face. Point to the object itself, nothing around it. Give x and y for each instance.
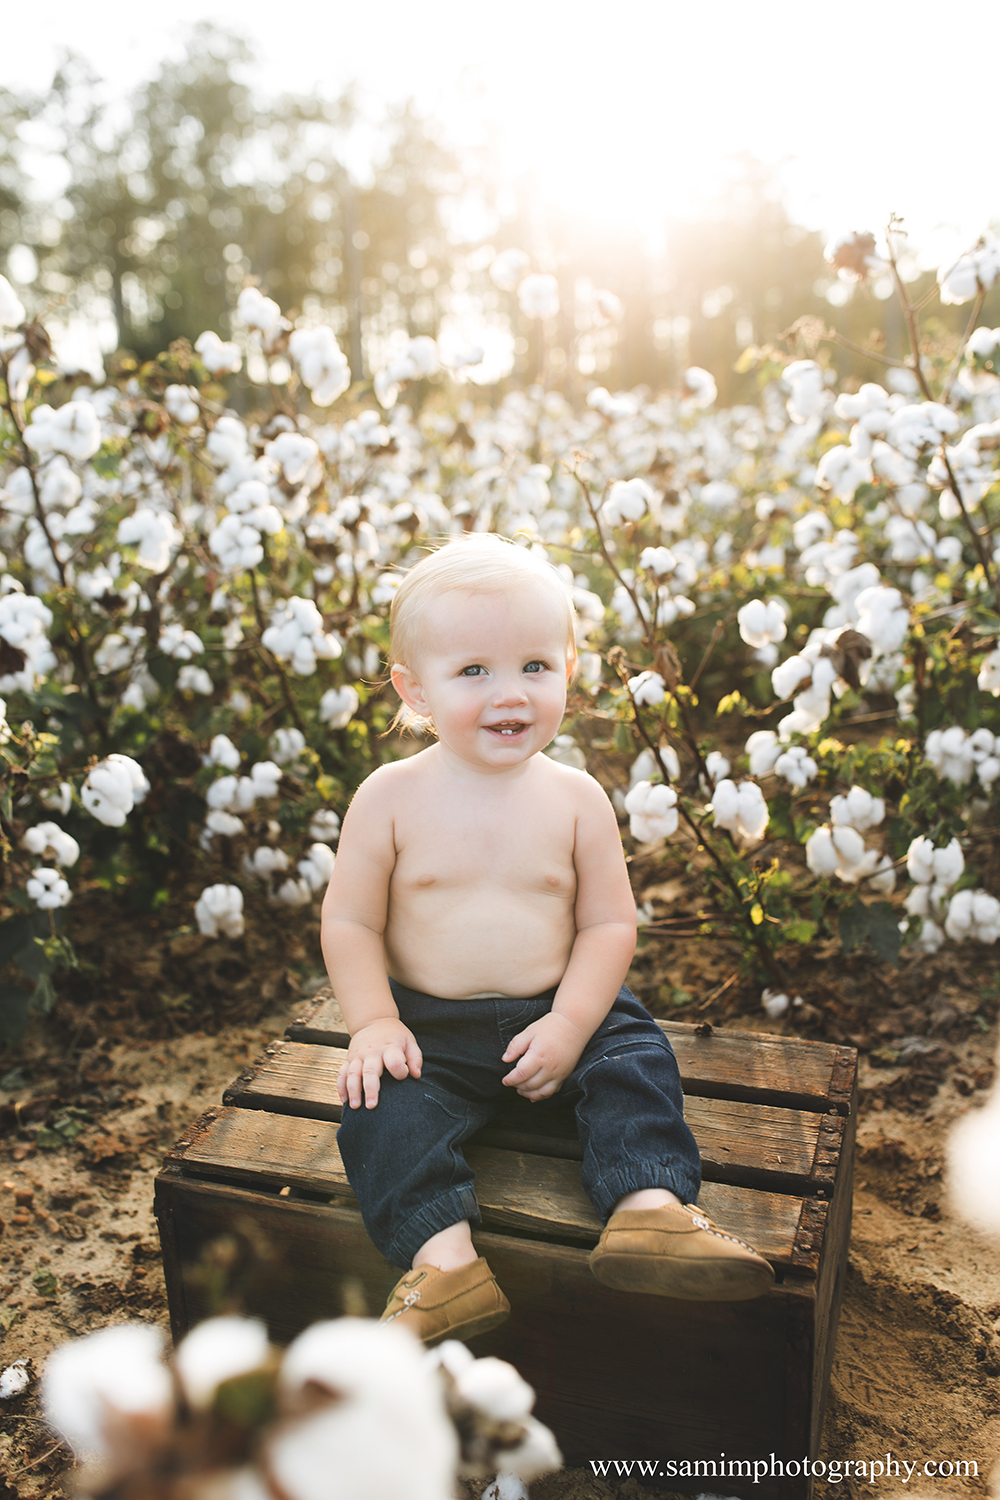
(491, 669)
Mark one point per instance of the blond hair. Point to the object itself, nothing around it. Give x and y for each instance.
(479, 563)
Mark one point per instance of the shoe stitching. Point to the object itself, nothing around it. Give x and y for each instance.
(700, 1222)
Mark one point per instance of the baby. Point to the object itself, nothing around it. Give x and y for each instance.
(478, 928)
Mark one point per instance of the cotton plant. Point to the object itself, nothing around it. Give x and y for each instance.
(350, 1397)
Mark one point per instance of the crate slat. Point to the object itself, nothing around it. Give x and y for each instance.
(747, 1065)
(525, 1194)
(744, 1144)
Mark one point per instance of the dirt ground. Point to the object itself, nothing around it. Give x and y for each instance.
(88, 1109)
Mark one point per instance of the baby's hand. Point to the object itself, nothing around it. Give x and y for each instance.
(381, 1044)
(549, 1050)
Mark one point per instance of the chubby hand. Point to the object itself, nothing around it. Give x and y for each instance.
(381, 1044)
(549, 1050)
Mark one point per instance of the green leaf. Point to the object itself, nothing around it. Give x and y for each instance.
(45, 1283)
(853, 925)
(44, 996)
(8, 1317)
(623, 738)
(800, 931)
(48, 1139)
(14, 934)
(883, 932)
(14, 1006)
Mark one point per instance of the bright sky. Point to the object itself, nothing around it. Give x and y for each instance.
(630, 109)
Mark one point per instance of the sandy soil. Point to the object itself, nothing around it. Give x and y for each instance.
(918, 1356)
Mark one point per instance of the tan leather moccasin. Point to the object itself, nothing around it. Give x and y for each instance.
(676, 1251)
(438, 1305)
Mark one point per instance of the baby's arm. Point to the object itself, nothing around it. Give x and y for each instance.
(354, 916)
(550, 1048)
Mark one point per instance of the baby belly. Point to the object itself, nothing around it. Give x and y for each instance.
(474, 947)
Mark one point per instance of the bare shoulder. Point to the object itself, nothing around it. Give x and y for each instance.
(388, 782)
(585, 794)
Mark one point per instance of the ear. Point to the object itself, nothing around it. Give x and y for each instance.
(409, 689)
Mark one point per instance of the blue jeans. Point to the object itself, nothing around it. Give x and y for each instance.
(404, 1159)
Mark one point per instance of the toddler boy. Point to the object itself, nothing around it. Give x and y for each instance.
(478, 928)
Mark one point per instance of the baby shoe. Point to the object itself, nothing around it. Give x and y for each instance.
(676, 1251)
(447, 1304)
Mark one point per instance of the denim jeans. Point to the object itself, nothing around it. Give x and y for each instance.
(404, 1159)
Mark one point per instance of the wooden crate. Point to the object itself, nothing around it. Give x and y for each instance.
(618, 1375)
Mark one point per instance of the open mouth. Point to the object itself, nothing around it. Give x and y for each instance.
(508, 728)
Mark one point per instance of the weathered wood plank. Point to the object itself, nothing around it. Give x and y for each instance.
(699, 1377)
(524, 1194)
(747, 1065)
(746, 1144)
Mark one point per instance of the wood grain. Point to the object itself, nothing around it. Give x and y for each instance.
(616, 1374)
(531, 1195)
(744, 1144)
(747, 1065)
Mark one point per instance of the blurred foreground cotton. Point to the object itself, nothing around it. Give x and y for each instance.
(352, 1409)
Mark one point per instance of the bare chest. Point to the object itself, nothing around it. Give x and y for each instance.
(525, 848)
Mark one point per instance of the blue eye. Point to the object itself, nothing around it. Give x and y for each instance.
(536, 666)
(473, 671)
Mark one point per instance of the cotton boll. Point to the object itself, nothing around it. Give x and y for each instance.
(219, 909)
(536, 1454)
(884, 879)
(90, 1384)
(15, 1380)
(179, 643)
(324, 367)
(716, 765)
(700, 390)
(973, 914)
(538, 296)
(293, 454)
(805, 382)
(112, 789)
(294, 892)
(49, 841)
(883, 618)
(646, 766)
(761, 624)
(264, 777)
(628, 500)
(75, 429)
(566, 752)
(266, 862)
(494, 1387)
(12, 313)
(659, 561)
(217, 1350)
(227, 824)
(774, 1004)
(286, 745)
(930, 937)
(974, 1166)
(508, 268)
(48, 889)
(222, 752)
(647, 689)
(195, 680)
(181, 402)
(386, 1432)
(741, 809)
(338, 706)
(821, 854)
(763, 748)
(506, 1487)
(950, 753)
(55, 799)
(988, 680)
(652, 811)
(858, 809)
(218, 358)
(317, 867)
(325, 826)
(153, 534)
(789, 673)
(925, 864)
(796, 765)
